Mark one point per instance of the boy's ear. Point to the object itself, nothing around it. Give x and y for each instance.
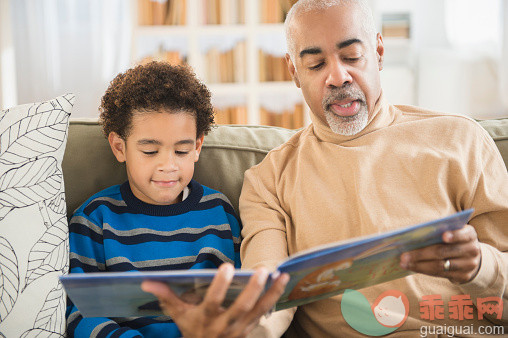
(199, 145)
(117, 145)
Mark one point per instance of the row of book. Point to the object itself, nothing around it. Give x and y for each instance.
(272, 67)
(226, 66)
(396, 25)
(229, 66)
(162, 12)
(173, 57)
(225, 12)
(231, 115)
(274, 11)
(290, 119)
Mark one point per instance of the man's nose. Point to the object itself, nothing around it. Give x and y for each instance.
(338, 75)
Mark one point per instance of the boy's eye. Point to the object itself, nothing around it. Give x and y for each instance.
(149, 152)
(178, 152)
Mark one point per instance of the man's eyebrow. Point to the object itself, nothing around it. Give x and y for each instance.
(317, 50)
(349, 42)
(146, 141)
(310, 50)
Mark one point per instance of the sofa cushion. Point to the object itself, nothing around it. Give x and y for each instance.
(34, 247)
(498, 129)
(89, 165)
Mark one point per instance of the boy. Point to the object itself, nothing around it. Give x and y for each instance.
(155, 117)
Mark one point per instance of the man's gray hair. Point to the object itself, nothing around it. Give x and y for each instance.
(303, 6)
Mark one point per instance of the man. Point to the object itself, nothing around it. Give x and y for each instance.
(361, 167)
(365, 166)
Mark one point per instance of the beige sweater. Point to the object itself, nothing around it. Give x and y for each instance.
(408, 166)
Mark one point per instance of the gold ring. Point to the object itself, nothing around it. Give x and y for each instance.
(446, 265)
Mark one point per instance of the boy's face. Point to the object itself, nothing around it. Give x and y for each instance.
(159, 154)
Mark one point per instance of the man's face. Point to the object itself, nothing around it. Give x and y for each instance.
(160, 152)
(336, 64)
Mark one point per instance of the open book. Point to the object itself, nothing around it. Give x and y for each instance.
(319, 273)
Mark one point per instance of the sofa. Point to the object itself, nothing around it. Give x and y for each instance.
(88, 166)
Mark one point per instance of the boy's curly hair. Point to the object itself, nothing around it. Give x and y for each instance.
(153, 87)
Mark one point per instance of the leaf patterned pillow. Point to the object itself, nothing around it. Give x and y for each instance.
(34, 247)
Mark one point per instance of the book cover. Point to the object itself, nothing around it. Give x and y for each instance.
(315, 274)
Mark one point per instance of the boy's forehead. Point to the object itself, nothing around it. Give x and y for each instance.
(163, 126)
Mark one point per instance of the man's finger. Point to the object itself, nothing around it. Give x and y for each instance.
(267, 302)
(216, 293)
(462, 235)
(250, 295)
(169, 301)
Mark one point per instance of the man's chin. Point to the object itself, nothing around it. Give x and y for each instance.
(348, 125)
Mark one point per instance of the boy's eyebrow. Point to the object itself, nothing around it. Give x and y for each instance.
(146, 141)
(188, 141)
(340, 45)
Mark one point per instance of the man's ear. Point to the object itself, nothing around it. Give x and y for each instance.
(380, 49)
(117, 145)
(292, 70)
(199, 145)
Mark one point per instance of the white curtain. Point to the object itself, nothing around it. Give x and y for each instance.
(475, 32)
(66, 46)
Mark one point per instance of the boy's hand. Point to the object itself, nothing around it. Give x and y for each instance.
(457, 259)
(210, 319)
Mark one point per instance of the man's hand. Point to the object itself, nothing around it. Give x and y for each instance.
(457, 259)
(210, 319)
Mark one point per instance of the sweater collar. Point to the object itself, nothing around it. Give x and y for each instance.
(382, 116)
(135, 205)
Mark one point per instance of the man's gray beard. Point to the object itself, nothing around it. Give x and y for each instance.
(350, 125)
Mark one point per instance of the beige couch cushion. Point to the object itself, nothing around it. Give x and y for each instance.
(89, 166)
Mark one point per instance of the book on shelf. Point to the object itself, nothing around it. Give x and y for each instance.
(274, 11)
(162, 12)
(272, 67)
(396, 25)
(226, 66)
(173, 57)
(315, 274)
(223, 12)
(290, 119)
(231, 115)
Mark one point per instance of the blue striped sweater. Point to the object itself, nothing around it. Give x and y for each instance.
(115, 231)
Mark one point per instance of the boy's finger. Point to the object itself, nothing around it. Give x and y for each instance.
(168, 300)
(216, 293)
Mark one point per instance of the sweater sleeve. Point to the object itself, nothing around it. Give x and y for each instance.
(264, 242)
(489, 198)
(87, 255)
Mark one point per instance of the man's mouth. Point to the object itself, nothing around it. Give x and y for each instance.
(345, 108)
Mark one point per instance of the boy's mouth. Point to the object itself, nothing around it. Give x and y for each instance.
(165, 183)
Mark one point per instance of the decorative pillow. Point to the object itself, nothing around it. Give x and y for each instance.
(33, 225)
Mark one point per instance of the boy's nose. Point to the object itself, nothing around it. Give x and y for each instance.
(169, 164)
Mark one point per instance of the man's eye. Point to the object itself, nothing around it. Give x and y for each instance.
(355, 59)
(316, 67)
(149, 152)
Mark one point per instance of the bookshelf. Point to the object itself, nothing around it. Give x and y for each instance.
(236, 47)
